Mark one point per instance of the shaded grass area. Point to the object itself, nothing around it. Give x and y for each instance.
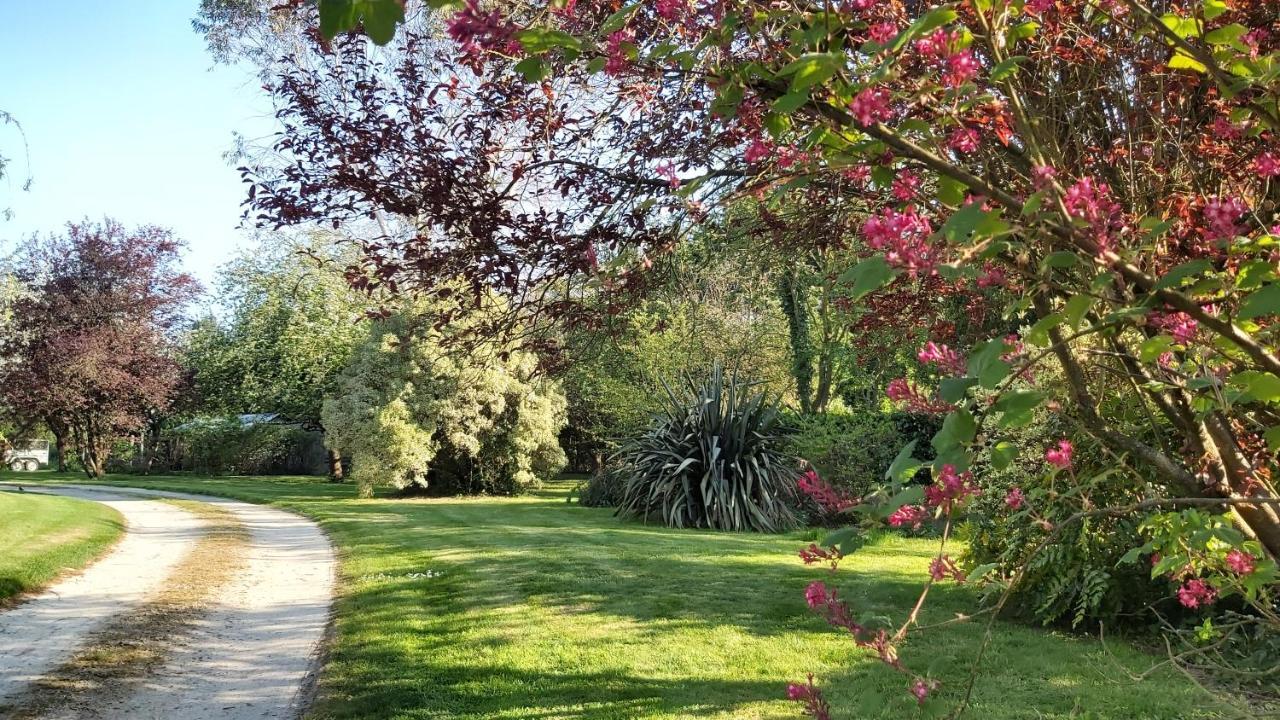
(43, 537)
(534, 608)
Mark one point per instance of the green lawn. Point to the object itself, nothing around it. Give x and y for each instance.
(535, 608)
(42, 537)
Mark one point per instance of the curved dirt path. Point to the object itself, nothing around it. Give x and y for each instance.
(251, 652)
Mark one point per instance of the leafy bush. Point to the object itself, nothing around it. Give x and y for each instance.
(1078, 578)
(605, 488)
(226, 446)
(414, 416)
(849, 449)
(714, 459)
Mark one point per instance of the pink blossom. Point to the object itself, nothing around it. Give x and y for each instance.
(882, 32)
(942, 356)
(913, 515)
(1196, 593)
(858, 174)
(1224, 129)
(1038, 7)
(1240, 563)
(476, 31)
(668, 171)
(815, 705)
(824, 494)
(757, 151)
(1091, 201)
(792, 156)
(617, 60)
(1167, 360)
(906, 186)
(992, 276)
(935, 44)
(1042, 176)
(905, 238)
(871, 106)
(1266, 165)
(1220, 216)
(922, 688)
(950, 488)
(1014, 499)
(964, 140)
(1180, 325)
(961, 68)
(1060, 455)
(943, 567)
(814, 554)
(671, 9)
(901, 391)
(859, 5)
(816, 594)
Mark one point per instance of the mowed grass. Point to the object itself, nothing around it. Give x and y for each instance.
(42, 537)
(531, 607)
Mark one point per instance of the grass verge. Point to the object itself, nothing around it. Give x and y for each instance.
(531, 607)
(43, 537)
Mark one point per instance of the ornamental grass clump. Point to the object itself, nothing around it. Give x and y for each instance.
(713, 459)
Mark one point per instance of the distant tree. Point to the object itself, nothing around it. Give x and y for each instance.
(10, 120)
(290, 327)
(88, 349)
(412, 413)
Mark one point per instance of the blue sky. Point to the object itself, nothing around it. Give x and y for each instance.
(126, 116)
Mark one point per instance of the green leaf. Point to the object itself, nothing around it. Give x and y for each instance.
(1182, 61)
(336, 16)
(981, 571)
(1214, 8)
(1006, 68)
(904, 465)
(539, 40)
(986, 365)
(811, 69)
(1263, 302)
(1153, 347)
(1038, 335)
(973, 220)
(380, 18)
(1272, 436)
(867, 276)
(1182, 27)
(1022, 31)
(1257, 385)
(1254, 273)
(1060, 259)
(533, 69)
(618, 20)
(1076, 309)
(1175, 277)
(1003, 454)
(953, 389)
(596, 65)
(951, 192)
(1227, 35)
(1016, 408)
(790, 102)
(958, 430)
(848, 540)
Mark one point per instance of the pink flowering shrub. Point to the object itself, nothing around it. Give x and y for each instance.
(1135, 250)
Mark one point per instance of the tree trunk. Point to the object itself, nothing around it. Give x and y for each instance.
(795, 308)
(59, 444)
(335, 465)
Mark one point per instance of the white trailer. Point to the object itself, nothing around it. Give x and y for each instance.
(27, 455)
